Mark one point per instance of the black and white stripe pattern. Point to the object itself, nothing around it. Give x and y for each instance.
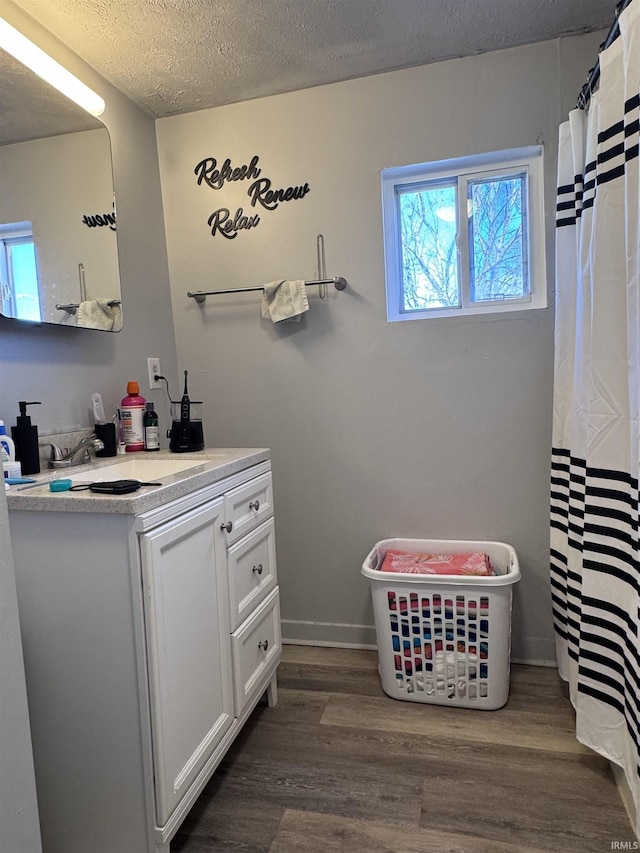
(594, 522)
(567, 524)
(569, 205)
(617, 145)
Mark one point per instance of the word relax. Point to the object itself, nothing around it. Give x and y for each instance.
(221, 222)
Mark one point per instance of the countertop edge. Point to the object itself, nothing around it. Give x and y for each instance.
(217, 464)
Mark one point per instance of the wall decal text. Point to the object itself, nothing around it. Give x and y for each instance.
(221, 222)
(261, 193)
(215, 178)
(98, 220)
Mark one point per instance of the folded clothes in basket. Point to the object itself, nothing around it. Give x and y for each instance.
(451, 664)
(471, 563)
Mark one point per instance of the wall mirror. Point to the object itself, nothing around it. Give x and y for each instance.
(58, 239)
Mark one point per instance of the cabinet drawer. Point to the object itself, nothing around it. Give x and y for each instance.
(255, 650)
(248, 506)
(252, 571)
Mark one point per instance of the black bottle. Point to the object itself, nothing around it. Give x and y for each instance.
(25, 438)
(151, 431)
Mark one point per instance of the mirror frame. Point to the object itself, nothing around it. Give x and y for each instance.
(62, 155)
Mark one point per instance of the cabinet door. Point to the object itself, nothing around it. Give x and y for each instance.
(188, 647)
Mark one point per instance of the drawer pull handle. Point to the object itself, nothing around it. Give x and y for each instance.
(228, 526)
(257, 569)
(254, 505)
(264, 645)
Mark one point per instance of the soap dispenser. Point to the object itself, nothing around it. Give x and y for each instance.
(25, 437)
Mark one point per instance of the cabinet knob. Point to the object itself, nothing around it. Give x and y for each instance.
(264, 645)
(257, 569)
(228, 526)
(254, 505)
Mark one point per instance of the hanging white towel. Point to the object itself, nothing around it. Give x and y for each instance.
(100, 314)
(284, 301)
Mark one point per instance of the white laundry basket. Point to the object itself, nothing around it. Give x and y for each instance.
(444, 639)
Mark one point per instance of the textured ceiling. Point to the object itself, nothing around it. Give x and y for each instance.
(176, 56)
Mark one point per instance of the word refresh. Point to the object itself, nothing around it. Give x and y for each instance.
(215, 178)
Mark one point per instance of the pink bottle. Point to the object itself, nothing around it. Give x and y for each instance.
(132, 410)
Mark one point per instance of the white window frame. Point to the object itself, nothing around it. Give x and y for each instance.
(402, 178)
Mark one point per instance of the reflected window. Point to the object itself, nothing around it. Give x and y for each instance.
(18, 272)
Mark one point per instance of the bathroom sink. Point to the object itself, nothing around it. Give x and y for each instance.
(145, 470)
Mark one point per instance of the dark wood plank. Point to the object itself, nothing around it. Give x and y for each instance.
(535, 798)
(309, 776)
(306, 832)
(529, 728)
(351, 671)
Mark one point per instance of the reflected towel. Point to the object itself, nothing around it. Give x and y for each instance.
(284, 301)
(475, 563)
(100, 314)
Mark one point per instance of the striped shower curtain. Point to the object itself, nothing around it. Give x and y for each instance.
(595, 558)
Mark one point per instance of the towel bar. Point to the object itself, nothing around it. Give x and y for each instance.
(72, 307)
(201, 295)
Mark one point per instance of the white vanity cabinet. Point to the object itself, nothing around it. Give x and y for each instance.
(149, 638)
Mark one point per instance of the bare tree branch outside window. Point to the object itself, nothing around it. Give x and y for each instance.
(497, 248)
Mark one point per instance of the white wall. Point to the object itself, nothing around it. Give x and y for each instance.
(438, 429)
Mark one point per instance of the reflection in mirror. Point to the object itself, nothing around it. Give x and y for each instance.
(58, 241)
(20, 292)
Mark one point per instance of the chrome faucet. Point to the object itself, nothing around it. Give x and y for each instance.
(78, 455)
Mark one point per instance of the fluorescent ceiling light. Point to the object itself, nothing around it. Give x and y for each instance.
(21, 48)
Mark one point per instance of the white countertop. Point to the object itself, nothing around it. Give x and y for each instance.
(216, 464)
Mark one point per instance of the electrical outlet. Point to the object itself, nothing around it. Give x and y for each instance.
(153, 365)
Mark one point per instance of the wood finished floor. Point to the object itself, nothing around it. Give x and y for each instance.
(339, 766)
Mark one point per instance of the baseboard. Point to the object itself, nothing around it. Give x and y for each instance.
(552, 664)
(625, 793)
(540, 652)
(299, 633)
(534, 651)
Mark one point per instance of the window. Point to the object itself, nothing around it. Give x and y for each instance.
(465, 236)
(18, 272)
